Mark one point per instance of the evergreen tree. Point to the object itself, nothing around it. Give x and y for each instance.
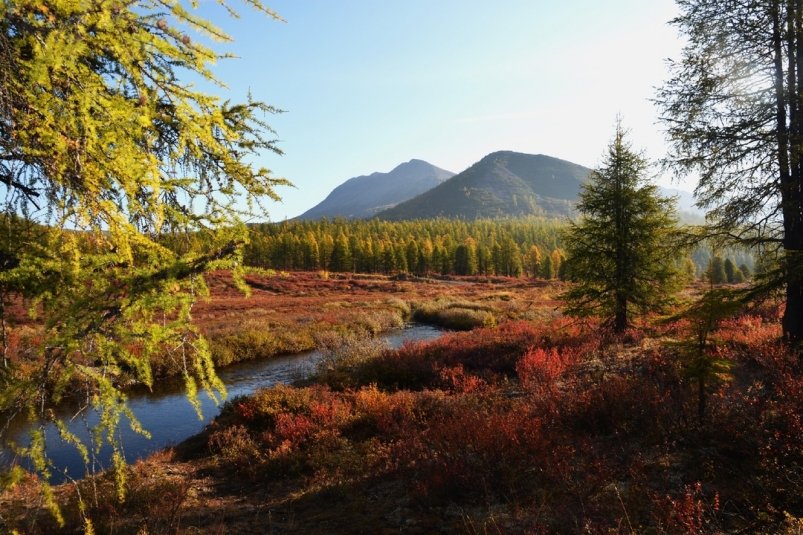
(496, 257)
(400, 259)
(465, 259)
(558, 262)
(533, 261)
(690, 269)
(341, 254)
(325, 248)
(621, 252)
(510, 258)
(412, 255)
(425, 257)
(484, 260)
(388, 259)
(311, 252)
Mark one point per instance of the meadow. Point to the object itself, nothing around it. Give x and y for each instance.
(290, 312)
(532, 423)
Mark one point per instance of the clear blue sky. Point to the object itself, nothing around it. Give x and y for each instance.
(368, 84)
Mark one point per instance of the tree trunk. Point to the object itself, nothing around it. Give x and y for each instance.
(791, 178)
(620, 314)
(793, 317)
(701, 398)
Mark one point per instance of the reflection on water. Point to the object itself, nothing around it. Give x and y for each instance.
(170, 418)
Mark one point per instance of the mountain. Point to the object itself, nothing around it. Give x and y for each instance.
(689, 213)
(502, 184)
(364, 196)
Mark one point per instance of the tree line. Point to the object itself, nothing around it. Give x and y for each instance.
(531, 247)
(513, 248)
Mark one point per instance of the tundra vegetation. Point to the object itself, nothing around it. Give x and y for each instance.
(687, 418)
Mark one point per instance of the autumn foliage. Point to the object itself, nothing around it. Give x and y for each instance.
(573, 430)
(529, 427)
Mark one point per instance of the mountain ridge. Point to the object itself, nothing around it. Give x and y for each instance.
(365, 195)
(501, 184)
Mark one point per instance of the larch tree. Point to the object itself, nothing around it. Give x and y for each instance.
(733, 109)
(716, 271)
(123, 184)
(730, 270)
(621, 252)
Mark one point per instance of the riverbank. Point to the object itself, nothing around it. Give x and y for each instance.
(168, 416)
(287, 313)
(528, 427)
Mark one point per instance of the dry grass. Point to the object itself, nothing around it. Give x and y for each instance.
(285, 313)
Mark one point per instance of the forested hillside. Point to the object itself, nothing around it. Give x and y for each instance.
(502, 184)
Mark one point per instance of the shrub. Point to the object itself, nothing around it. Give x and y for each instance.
(342, 354)
(459, 316)
(539, 367)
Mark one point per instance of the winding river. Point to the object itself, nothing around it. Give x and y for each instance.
(169, 417)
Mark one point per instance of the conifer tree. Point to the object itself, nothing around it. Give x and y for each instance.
(400, 259)
(690, 269)
(341, 255)
(413, 255)
(465, 258)
(730, 270)
(734, 113)
(558, 262)
(547, 267)
(716, 271)
(108, 151)
(533, 261)
(620, 251)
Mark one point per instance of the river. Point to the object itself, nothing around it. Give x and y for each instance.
(169, 417)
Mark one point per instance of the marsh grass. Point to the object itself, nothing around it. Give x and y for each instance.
(455, 315)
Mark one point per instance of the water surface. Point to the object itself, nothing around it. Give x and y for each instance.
(170, 418)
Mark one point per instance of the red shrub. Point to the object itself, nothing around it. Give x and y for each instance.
(540, 367)
(293, 428)
(471, 451)
(457, 380)
(693, 511)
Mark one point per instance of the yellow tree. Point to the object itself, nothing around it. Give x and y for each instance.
(116, 170)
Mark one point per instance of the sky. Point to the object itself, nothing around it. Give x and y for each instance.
(368, 84)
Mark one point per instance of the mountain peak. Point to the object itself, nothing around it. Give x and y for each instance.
(502, 184)
(365, 195)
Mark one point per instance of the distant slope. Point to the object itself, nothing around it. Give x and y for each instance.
(688, 211)
(364, 196)
(502, 184)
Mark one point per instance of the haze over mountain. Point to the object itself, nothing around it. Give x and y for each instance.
(502, 184)
(365, 196)
(689, 212)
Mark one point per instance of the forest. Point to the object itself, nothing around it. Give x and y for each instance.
(175, 363)
(531, 247)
